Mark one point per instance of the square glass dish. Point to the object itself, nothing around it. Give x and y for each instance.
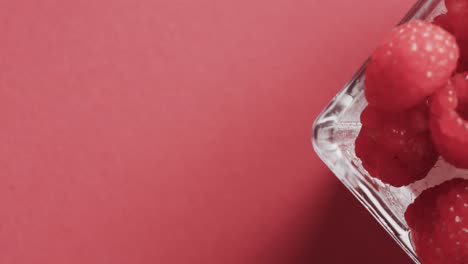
(334, 134)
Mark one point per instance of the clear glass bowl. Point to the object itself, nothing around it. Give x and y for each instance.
(335, 131)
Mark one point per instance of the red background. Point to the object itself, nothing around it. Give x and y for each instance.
(177, 131)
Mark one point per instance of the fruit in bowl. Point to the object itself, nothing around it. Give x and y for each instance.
(417, 93)
(439, 224)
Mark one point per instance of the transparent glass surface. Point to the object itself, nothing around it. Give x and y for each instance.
(335, 132)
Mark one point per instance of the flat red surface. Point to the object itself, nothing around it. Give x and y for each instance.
(177, 131)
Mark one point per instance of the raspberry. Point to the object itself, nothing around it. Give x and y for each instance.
(448, 121)
(438, 220)
(412, 62)
(396, 148)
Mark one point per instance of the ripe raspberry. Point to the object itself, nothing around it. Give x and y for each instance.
(410, 64)
(449, 121)
(396, 148)
(438, 220)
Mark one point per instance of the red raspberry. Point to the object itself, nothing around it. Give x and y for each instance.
(438, 220)
(410, 64)
(396, 148)
(449, 121)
